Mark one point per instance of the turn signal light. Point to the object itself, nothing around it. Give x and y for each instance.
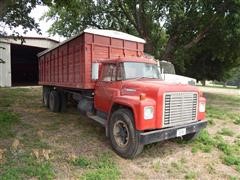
(200, 94)
(142, 96)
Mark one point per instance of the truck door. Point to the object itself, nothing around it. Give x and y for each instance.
(106, 87)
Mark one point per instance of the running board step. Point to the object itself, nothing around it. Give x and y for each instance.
(97, 118)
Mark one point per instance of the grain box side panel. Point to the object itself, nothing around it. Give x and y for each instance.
(60, 59)
(77, 60)
(131, 48)
(117, 49)
(70, 62)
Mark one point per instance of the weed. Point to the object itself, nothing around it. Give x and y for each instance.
(82, 162)
(210, 169)
(103, 168)
(224, 147)
(191, 175)
(203, 142)
(237, 120)
(226, 132)
(233, 178)
(232, 160)
(211, 121)
(157, 166)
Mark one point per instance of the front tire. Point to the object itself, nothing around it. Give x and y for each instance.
(123, 136)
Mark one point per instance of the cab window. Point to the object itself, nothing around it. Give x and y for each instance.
(108, 72)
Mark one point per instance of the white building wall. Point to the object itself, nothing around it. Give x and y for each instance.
(42, 43)
(5, 68)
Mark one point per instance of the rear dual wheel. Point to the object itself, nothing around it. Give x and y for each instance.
(45, 95)
(55, 100)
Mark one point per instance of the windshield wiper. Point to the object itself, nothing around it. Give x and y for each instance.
(143, 77)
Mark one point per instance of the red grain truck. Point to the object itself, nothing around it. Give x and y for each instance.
(106, 73)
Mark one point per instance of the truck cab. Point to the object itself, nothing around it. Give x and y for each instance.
(140, 108)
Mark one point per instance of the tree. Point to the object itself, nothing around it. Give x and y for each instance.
(16, 13)
(189, 33)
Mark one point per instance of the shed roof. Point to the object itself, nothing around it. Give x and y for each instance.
(41, 42)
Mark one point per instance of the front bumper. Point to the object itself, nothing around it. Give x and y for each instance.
(169, 133)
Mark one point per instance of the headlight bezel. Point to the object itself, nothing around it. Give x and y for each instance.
(202, 107)
(148, 112)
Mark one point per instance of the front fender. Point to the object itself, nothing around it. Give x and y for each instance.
(137, 107)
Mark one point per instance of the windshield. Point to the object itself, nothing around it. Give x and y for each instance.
(167, 67)
(140, 70)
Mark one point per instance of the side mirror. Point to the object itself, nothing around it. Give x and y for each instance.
(95, 71)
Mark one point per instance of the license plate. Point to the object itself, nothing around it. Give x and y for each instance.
(181, 132)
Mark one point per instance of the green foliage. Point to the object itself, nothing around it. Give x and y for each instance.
(17, 13)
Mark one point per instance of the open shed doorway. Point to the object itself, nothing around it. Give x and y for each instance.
(24, 65)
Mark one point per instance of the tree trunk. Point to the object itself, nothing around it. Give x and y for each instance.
(203, 82)
(148, 47)
(168, 54)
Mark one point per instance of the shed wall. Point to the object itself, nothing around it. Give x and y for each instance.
(5, 65)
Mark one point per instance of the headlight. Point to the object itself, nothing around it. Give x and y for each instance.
(202, 107)
(148, 112)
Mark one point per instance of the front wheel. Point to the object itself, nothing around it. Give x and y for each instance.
(123, 136)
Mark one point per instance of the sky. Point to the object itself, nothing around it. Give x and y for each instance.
(44, 26)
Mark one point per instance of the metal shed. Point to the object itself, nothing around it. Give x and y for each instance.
(18, 61)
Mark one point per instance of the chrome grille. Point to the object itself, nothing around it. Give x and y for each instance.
(179, 108)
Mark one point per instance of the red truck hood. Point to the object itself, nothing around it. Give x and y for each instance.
(153, 87)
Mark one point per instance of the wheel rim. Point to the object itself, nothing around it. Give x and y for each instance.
(121, 133)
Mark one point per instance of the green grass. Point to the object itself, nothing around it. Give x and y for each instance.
(231, 152)
(24, 166)
(226, 132)
(102, 167)
(218, 113)
(203, 142)
(237, 120)
(7, 120)
(82, 162)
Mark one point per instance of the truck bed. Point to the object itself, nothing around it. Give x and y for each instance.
(69, 64)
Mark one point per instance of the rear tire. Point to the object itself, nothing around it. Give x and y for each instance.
(45, 96)
(63, 101)
(54, 101)
(123, 136)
